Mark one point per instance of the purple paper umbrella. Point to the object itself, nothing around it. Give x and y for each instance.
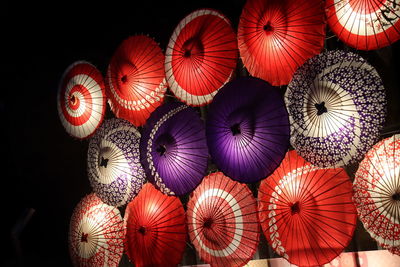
(337, 106)
(173, 148)
(114, 168)
(247, 129)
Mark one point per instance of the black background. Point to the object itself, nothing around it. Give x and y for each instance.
(42, 166)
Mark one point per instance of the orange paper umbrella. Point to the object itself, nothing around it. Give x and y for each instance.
(136, 79)
(275, 37)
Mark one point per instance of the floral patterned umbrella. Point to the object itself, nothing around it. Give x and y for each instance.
(114, 169)
(337, 106)
(81, 99)
(96, 234)
(377, 192)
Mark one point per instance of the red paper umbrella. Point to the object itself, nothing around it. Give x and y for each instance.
(277, 36)
(201, 56)
(306, 212)
(136, 79)
(81, 99)
(96, 233)
(222, 221)
(377, 192)
(365, 24)
(156, 228)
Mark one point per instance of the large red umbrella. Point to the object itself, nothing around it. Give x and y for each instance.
(365, 24)
(306, 212)
(201, 56)
(96, 233)
(222, 221)
(155, 228)
(377, 192)
(136, 79)
(275, 37)
(81, 99)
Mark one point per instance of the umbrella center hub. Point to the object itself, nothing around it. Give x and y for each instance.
(295, 208)
(142, 230)
(161, 149)
(124, 78)
(103, 162)
(235, 129)
(396, 196)
(208, 223)
(268, 29)
(192, 48)
(84, 237)
(321, 109)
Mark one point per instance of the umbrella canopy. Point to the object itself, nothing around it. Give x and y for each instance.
(306, 212)
(337, 106)
(201, 56)
(173, 148)
(222, 221)
(247, 129)
(136, 79)
(96, 233)
(155, 228)
(377, 192)
(81, 99)
(364, 24)
(275, 37)
(114, 168)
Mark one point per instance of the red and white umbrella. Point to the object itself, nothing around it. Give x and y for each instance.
(155, 228)
(222, 221)
(306, 212)
(364, 24)
(96, 233)
(201, 56)
(275, 37)
(81, 99)
(136, 79)
(377, 192)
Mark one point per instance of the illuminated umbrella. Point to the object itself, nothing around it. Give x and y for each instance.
(155, 228)
(275, 37)
(136, 79)
(114, 169)
(201, 56)
(173, 148)
(364, 24)
(377, 192)
(306, 213)
(247, 129)
(96, 233)
(81, 99)
(337, 106)
(222, 221)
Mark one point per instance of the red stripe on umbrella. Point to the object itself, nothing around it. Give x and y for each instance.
(155, 228)
(201, 56)
(306, 212)
(222, 221)
(275, 37)
(136, 79)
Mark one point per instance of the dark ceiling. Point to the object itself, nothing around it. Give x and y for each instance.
(43, 167)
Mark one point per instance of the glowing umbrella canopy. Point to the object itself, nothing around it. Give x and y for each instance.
(173, 148)
(201, 56)
(114, 168)
(247, 129)
(275, 37)
(306, 212)
(337, 106)
(365, 24)
(136, 79)
(96, 233)
(155, 228)
(222, 221)
(81, 99)
(377, 192)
